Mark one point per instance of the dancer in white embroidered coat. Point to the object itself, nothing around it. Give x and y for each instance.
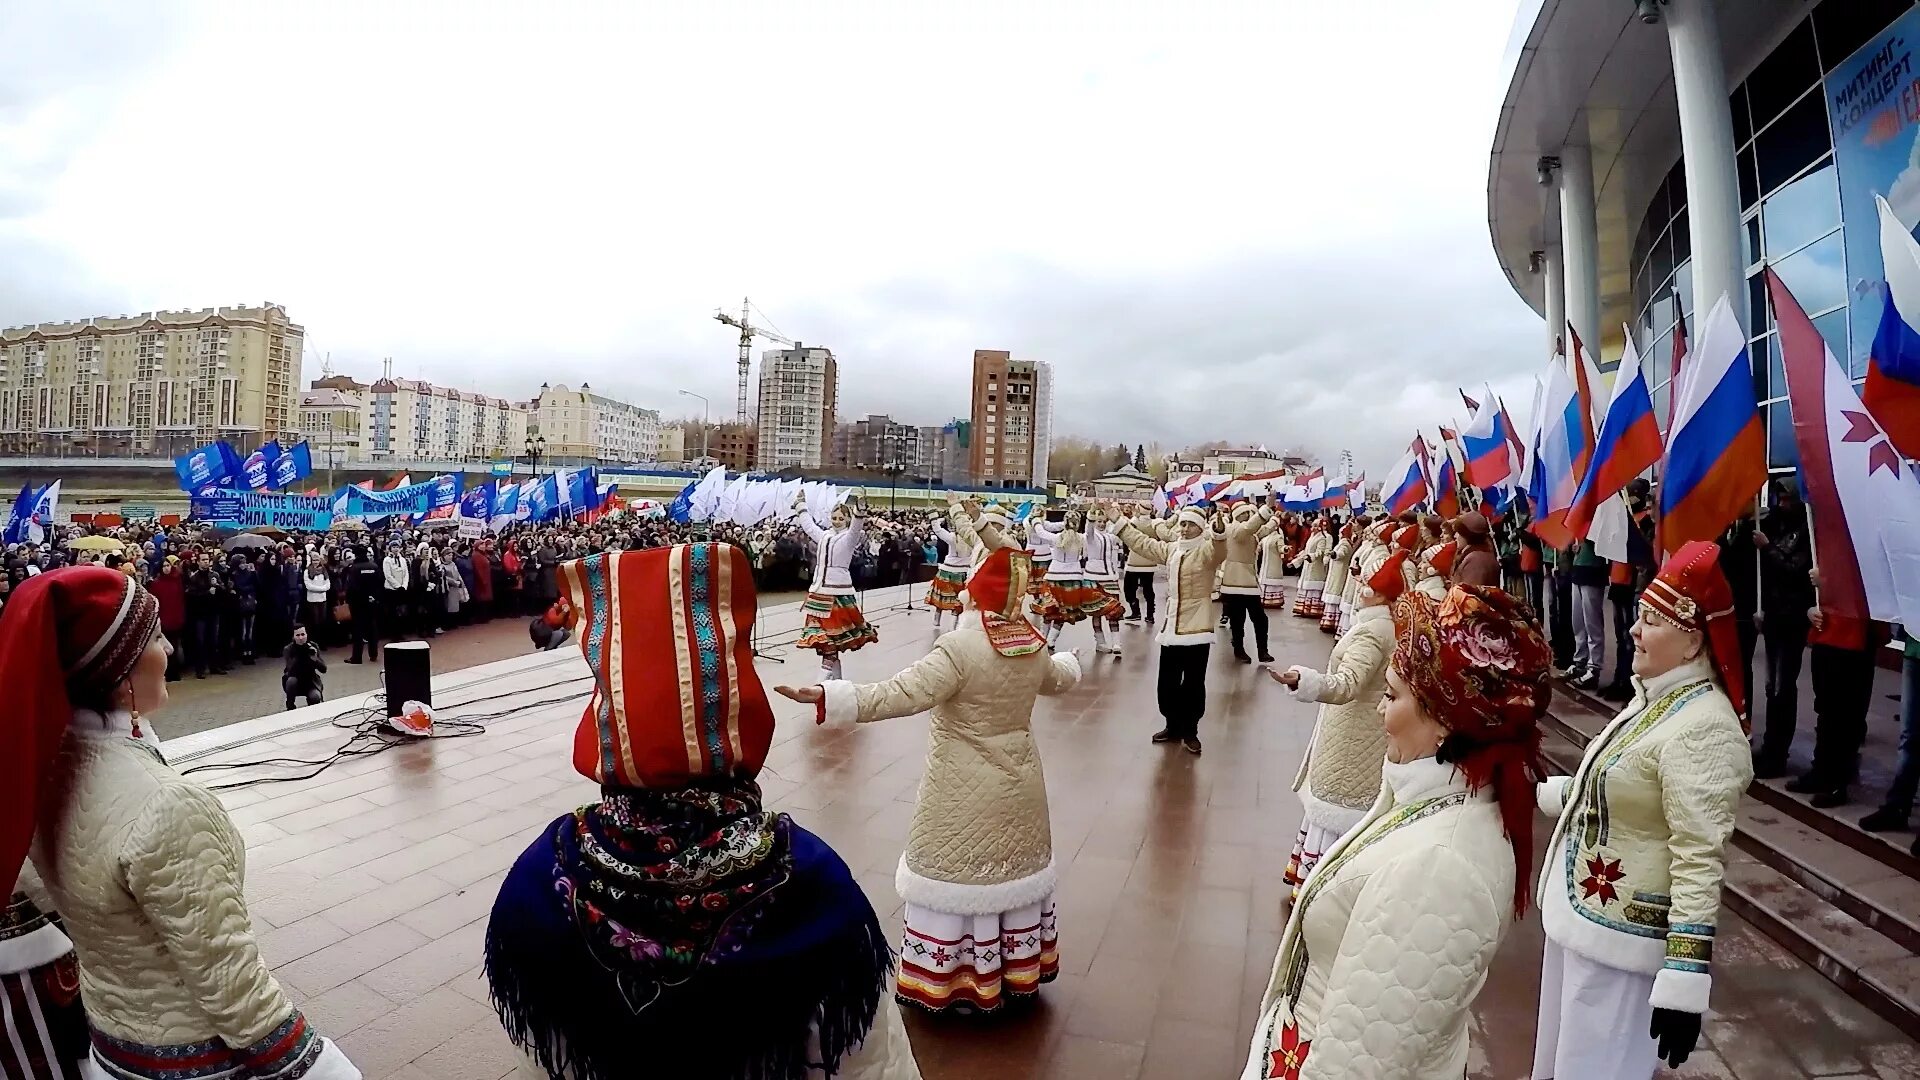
(1396, 928)
(834, 624)
(1339, 777)
(1630, 892)
(1101, 562)
(983, 529)
(1339, 565)
(978, 867)
(950, 579)
(143, 864)
(1312, 562)
(1273, 571)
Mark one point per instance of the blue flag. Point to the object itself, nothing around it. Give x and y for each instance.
(476, 504)
(257, 471)
(293, 465)
(16, 532)
(582, 485)
(201, 468)
(506, 499)
(446, 490)
(681, 509)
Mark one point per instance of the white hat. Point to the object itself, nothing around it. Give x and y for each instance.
(1190, 515)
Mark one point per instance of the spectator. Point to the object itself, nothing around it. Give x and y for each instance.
(1589, 577)
(1475, 562)
(1786, 594)
(1893, 812)
(169, 588)
(369, 600)
(396, 580)
(1738, 562)
(206, 590)
(1842, 649)
(246, 607)
(301, 668)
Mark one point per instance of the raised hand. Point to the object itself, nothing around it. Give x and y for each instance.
(805, 695)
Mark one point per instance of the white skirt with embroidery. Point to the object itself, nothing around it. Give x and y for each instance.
(976, 962)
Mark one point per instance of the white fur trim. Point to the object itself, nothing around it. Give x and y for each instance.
(1681, 991)
(1551, 794)
(332, 1064)
(1336, 819)
(1069, 663)
(1312, 684)
(842, 701)
(42, 946)
(960, 898)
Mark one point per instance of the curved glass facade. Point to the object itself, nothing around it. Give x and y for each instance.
(1790, 212)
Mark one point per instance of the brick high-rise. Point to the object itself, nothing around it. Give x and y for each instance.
(1012, 428)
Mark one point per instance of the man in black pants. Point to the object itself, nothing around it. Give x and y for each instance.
(1186, 632)
(1183, 693)
(365, 586)
(302, 666)
(1139, 577)
(1786, 595)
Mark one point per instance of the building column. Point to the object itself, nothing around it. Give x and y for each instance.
(1580, 248)
(1706, 149)
(1555, 288)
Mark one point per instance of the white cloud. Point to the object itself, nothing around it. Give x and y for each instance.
(1219, 219)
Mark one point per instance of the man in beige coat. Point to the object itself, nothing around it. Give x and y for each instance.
(1186, 623)
(1240, 579)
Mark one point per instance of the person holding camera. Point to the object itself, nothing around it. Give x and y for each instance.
(303, 666)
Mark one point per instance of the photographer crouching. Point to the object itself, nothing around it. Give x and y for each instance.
(303, 665)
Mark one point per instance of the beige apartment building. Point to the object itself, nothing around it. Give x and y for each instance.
(403, 420)
(157, 382)
(582, 426)
(799, 398)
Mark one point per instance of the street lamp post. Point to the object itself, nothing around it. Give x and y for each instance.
(706, 421)
(536, 448)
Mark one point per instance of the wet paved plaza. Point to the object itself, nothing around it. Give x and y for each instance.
(371, 883)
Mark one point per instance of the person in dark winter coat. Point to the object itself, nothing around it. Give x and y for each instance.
(302, 666)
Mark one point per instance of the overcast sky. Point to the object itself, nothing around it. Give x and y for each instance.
(1260, 221)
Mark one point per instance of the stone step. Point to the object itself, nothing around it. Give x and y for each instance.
(1850, 911)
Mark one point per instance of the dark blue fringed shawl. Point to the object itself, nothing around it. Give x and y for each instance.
(818, 958)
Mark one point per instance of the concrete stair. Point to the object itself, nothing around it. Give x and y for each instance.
(1845, 901)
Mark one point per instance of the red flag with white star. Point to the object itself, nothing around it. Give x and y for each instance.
(1865, 504)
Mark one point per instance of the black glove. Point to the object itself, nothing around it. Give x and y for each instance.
(1677, 1033)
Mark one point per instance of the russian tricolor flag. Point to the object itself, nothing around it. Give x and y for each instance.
(1716, 453)
(1486, 445)
(1628, 443)
(1446, 489)
(1409, 480)
(1892, 392)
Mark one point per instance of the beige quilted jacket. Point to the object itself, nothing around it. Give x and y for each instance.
(1393, 935)
(1187, 616)
(981, 841)
(1338, 568)
(1312, 560)
(1273, 558)
(1239, 574)
(1339, 778)
(148, 872)
(1632, 877)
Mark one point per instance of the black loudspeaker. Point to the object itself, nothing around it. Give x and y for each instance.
(409, 674)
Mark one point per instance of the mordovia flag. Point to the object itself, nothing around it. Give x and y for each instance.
(1446, 490)
(1716, 453)
(1473, 407)
(1409, 480)
(1892, 393)
(1866, 509)
(1628, 444)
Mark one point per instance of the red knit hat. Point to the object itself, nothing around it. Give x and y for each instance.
(1477, 663)
(1692, 592)
(667, 634)
(997, 590)
(80, 628)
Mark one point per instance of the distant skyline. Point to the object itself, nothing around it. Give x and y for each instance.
(1221, 220)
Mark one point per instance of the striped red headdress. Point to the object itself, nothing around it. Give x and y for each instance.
(667, 634)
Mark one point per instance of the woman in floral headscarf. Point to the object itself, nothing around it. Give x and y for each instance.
(1395, 928)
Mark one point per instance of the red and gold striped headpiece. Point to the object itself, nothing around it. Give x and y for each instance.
(667, 635)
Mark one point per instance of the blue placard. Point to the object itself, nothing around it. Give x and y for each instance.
(503, 468)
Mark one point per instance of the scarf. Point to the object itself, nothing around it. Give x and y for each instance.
(660, 882)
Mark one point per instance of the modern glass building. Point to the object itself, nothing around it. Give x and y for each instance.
(1653, 155)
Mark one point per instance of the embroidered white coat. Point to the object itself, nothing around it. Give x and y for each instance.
(1398, 936)
(1339, 777)
(981, 841)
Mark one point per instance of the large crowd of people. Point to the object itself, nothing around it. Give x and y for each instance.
(636, 918)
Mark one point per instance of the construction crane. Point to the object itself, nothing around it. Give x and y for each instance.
(747, 331)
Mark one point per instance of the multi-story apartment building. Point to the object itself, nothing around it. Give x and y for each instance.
(1012, 420)
(877, 442)
(799, 396)
(403, 420)
(158, 382)
(582, 426)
